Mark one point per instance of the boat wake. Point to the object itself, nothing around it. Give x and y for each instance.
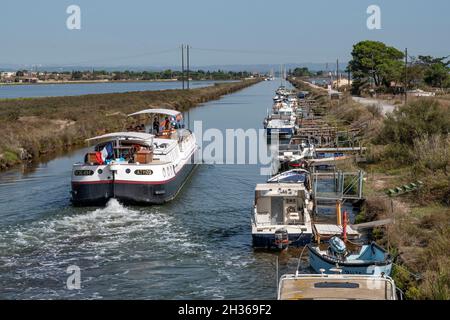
(40, 251)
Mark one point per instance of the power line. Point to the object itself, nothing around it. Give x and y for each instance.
(246, 51)
(144, 54)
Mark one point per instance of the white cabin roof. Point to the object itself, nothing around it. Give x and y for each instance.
(280, 189)
(168, 112)
(130, 135)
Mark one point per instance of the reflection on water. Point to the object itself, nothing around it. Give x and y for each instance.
(195, 247)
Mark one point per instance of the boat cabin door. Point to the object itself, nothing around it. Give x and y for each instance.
(291, 214)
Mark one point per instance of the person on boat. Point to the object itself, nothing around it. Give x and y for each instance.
(156, 125)
(173, 123)
(166, 123)
(178, 122)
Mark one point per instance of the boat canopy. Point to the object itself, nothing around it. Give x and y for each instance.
(279, 190)
(168, 112)
(291, 176)
(126, 135)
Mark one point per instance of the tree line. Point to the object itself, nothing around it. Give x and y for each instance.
(136, 75)
(165, 75)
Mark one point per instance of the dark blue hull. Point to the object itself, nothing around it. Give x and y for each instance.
(282, 132)
(136, 193)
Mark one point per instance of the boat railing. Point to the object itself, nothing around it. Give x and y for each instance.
(290, 147)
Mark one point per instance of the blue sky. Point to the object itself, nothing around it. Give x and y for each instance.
(240, 31)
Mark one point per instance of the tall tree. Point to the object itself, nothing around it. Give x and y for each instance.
(373, 61)
(437, 70)
(301, 72)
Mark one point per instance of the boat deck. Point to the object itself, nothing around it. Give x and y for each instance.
(342, 288)
(326, 231)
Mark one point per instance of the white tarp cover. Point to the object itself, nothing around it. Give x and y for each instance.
(168, 112)
(132, 135)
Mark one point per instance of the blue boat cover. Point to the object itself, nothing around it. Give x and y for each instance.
(337, 245)
(289, 177)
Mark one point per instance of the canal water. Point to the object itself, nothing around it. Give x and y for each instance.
(76, 89)
(196, 247)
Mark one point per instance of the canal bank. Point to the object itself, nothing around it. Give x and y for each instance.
(32, 128)
(78, 88)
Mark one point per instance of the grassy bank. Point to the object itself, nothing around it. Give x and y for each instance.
(33, 127)
(410, 144)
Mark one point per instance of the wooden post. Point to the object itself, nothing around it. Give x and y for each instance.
(344, 227)
(338, 213)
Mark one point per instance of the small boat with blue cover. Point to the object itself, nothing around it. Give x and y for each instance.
(370, 259)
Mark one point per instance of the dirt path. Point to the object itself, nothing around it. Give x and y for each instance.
(385, 107)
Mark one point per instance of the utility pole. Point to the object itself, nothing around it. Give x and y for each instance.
(373, 71)
(281, 74)
(187, 49)
(182, 64)
(348, 77)
(405, 87)
(337, 74)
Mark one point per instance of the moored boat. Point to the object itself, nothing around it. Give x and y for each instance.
(295, 155)
(281, 213)
(281, 121)
(282, 128)
(336, 287)
(369, 259)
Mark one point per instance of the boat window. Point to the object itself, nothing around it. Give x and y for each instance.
(293, 177)
(263, 205)
(277, 209)
(345, 285)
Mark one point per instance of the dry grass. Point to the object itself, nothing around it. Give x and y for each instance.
(421, 236)
(415, 147)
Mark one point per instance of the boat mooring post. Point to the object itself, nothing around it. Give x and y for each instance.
(277, 280)
(344, 227)
(338, 213)
(360, 189)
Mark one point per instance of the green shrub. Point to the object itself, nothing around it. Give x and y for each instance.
(415, 120)
(431, 152)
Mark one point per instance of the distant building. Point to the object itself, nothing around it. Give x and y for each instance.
(30, 79)
(7, 74)
(342, 82)
(421, 93)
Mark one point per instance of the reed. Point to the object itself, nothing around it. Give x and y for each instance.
(410, 144)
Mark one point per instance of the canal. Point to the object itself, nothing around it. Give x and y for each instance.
(195, 247)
